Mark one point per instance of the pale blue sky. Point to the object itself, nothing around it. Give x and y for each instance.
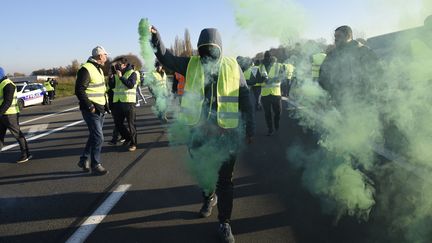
(49, 33)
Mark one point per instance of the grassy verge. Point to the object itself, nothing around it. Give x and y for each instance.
(65, 87)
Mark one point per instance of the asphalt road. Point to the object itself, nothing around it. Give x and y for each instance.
(48, 198)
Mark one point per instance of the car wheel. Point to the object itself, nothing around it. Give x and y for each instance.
(20, 104)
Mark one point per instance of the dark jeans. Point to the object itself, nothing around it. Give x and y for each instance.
(257, 94)
(272, 103)
(11, 122)
(95, 140)
(126, 111)
(225, 190)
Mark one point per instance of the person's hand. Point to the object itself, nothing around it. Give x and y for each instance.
(119, 73)
(153, 29)
(92, 109)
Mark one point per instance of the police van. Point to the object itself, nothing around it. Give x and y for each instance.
(29, 93)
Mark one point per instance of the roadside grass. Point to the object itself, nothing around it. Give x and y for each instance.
(65, 87)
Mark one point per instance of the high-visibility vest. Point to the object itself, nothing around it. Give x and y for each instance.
(421, 60)
(289, 68)
(228, 85)
(96, 88)
(160, 79)
(272, 87)
(48, 86)
(317, 60)
(121, 92)
(13, 109)
(181, 83)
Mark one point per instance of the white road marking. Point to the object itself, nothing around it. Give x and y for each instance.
(34, 129)
(44, 134)
(49, 115)
(91, 222)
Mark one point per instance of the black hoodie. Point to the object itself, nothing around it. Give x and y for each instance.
(208, 37)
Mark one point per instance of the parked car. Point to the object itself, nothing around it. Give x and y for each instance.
(29, 93)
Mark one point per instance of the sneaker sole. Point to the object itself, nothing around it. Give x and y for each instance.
(26, 160)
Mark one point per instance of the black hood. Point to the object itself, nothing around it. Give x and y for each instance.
(210, 36)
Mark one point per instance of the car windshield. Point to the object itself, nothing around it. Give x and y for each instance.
(19, 88)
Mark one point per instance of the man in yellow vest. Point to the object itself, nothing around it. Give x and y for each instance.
(216, 95)
(316, 60)
(50, 89)
(272, 74)
(125, 81)
(9, 116)
(90, 90)
(160, 92)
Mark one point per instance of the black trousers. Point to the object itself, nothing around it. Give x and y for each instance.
(272, 104)
(11, 123)
(225, 190)
(122, 111)
(257, 94)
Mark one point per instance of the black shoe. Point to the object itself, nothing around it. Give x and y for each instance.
(84, 165)
(270, 133)
(209, 203)
(127, 142)
(24, 158)
(99, 170)
(225, 233)
(113, 142)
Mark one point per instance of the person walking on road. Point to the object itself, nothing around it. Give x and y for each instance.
(271, 73)
(216, 117)
(9, 116)
(90, 90)
(125, 81)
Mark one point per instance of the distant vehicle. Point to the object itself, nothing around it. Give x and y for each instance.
(29, 93)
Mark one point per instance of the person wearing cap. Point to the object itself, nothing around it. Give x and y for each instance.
(91, 92)
(9, 116)
(215, 107)
(124, 81)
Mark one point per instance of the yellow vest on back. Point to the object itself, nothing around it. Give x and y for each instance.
(48, 86)
(121, 92)
(13, 109)
(96, 88)
(228, 85)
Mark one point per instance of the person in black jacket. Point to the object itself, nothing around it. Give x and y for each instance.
(9, 116)
(124, 109)
(91, 92)
(210, 53)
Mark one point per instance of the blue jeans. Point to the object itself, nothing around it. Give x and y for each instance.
(95, 140)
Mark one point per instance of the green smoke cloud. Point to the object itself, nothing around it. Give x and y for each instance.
(281, 19)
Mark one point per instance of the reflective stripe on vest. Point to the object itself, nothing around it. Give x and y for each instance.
(13, 109)
(121, 92)
(48, 86)
(227, 93)
(274, 77)
(317, 60)
(96, 88)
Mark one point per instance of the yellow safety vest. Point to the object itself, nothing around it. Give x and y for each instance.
(48, 86)
(274, 77)
(13, 109)
(317, 60)
(161, 79)
(121, 92)
(228, 86)
(96, 88)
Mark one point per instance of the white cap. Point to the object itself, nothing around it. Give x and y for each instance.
(98, 50)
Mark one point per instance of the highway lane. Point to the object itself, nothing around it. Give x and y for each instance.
(48, 198)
